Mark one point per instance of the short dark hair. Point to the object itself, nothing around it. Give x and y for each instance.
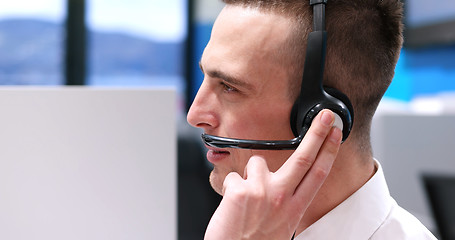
(363, 46)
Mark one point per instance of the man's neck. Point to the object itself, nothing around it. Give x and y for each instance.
(351, 170)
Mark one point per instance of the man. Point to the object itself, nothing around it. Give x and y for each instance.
(323, 190)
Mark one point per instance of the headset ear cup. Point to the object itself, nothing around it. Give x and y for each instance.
(296, 125)
(345, 100)
(342, 97)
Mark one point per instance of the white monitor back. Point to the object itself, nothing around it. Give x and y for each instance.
(410, 144)
(83, 163)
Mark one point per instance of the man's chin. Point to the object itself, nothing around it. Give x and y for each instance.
(216, 181)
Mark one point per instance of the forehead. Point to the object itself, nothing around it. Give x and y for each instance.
(247, 40)
(247, 28)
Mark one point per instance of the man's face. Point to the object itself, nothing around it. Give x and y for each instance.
(245, 89)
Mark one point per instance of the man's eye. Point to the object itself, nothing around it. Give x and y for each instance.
(227, 87)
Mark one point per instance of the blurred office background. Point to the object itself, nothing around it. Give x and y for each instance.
(147, 43)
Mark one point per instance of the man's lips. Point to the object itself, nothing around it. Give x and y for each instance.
(216, 154)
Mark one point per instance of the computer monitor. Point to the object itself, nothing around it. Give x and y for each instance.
(87, 163)
(408, 144)
(440, 191)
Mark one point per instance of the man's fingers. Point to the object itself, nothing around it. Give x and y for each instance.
(256, 168)
(231, 180)
(295, 168)
(318, 172)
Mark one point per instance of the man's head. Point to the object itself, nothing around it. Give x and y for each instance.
(254, 62)
(364, 41)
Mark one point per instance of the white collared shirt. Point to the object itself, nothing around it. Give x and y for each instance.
(369, 213)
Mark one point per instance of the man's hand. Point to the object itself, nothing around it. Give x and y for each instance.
(267, 205)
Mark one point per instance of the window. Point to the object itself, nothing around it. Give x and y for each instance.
(137, 43)
(31, 42)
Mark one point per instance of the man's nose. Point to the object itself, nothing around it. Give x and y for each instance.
(202, 113)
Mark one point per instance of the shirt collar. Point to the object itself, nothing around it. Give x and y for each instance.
(359, 216)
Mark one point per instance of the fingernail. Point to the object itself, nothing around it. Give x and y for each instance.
(336, 135)
(327, 118)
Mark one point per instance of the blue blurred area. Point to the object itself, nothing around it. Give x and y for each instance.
(201, 33)
(422, 72)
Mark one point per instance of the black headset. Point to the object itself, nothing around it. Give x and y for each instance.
(313, 97)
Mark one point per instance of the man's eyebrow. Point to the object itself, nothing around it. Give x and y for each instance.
(226, 77)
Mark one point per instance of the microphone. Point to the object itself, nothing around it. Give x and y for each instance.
(292, 144)
(224, 142)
